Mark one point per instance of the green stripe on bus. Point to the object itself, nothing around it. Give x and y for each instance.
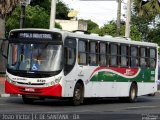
(144, 75)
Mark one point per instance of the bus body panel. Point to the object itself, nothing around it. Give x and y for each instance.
(98, 81)
(109, 86)
(21, 85)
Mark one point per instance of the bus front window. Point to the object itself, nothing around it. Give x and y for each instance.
(35, 57)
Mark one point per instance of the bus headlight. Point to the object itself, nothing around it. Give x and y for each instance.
(57, 80)
(10, 80)
(49, 84)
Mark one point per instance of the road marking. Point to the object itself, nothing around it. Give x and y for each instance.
(5, 95)
(3, 104)
(80, 111)
(142, 107)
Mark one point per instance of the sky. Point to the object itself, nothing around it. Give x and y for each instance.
(98, 11)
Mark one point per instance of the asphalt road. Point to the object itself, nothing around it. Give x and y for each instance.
(146, 108)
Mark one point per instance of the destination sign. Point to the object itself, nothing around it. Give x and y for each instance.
(35, 35)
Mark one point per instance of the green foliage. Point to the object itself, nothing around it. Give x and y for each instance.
(92, 27)
(149, 8)
(143, 16)
(36, 17)
(12, 22)
(154, 35)
(46, 4)
(62, 9)
(135, 34)
(57, 25)
(110, 29)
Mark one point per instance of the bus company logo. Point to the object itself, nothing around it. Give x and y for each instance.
(129, 72)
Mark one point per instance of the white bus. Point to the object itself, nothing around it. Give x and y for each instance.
(53, 63)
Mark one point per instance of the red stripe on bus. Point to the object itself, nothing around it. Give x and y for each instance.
(124, 71)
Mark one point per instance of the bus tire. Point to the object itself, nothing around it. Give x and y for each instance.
(77, 95)
(27, 100)
(152, 94)
(132, 93)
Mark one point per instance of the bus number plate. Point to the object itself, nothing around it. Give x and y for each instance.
(29, 89)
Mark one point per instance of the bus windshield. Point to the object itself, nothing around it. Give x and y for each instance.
(35, 57)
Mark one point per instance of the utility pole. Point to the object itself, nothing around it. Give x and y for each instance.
(118, 18)
(22, 17)
(53, 14)
(128, 19)
(23, 3)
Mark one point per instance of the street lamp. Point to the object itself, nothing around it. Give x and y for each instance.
(23, 3)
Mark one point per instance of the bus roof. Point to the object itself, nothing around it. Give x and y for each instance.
(91, 36)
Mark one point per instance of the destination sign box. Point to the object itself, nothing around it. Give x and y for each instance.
(35, 35)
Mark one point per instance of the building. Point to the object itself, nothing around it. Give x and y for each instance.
(72, 25)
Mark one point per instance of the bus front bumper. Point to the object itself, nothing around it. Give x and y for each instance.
(52, 91)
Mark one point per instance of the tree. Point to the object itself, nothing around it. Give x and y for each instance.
(62, 9)
(6, 8)
(110, 29)
(147, 8)
(91, 26)
(32, 18)
(153, 35)
(143, 15)
(37, 15)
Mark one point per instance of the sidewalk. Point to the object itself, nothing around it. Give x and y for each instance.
(2, 82)
(2, 87)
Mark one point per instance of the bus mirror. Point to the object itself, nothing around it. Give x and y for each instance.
(4, 47)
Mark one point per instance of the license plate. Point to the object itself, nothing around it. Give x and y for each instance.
(29, 89)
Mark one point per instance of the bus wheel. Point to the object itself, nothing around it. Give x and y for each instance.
(77, 95)
(27, 100)
(133, 93)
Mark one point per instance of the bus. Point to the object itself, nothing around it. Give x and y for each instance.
(46, 63)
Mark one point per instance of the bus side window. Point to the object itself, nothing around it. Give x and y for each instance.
(124, 55)
(93, 53)
(82, 52)
(102, 51)
(69, 54)
(113, 49)
(143, 55)
(152, 57)
(134, 57)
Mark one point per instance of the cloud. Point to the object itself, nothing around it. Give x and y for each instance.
(98, 11)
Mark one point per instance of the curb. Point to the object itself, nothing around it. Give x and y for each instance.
(9, 95)
(158, 91)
